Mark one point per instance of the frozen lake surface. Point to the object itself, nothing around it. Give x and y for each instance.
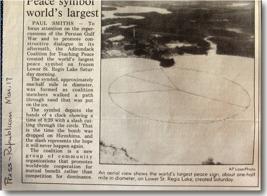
(179, 115)
(127, 27)
(116, 38)
(178, 44)
(213, 46)
(104, 28)
(131, 10)
(241, 4)
(236, 30)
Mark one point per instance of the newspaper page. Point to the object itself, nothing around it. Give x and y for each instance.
(131, 95)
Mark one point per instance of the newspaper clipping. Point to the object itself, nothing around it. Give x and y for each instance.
(131, 95)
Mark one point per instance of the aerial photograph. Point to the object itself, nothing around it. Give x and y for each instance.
(177, 83)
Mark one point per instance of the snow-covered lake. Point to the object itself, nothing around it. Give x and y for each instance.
(213, 46)
(175, 44)
(104, 28)
(146, 115)
(131, 10)
(239, 4)
(116, 38)
(236, 30)
(127, 27)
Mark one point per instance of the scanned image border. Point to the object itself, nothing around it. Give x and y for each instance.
(125, 185)
(1, 75)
